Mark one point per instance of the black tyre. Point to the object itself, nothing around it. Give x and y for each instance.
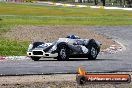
(35, 58)
(81, 80)
(93, 52)
(63, 52)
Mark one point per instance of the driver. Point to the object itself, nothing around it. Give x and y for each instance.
(73, 37)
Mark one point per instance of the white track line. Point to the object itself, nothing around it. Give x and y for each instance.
(84, 6)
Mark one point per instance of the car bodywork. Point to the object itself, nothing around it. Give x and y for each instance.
(76, 48)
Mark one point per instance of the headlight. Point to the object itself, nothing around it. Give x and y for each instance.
(30, 47)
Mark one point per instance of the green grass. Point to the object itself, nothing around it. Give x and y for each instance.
(12, 15)
(8, 47)
(60, 20)
(16, 9)
(23, 14)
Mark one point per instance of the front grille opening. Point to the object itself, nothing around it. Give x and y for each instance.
(37, 53)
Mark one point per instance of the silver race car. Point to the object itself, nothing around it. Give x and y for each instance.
(65, 48)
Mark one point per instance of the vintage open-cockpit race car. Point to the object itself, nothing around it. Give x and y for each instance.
(65, 48)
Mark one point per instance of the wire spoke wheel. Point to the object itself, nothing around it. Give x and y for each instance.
(93, 52)
(63, 53)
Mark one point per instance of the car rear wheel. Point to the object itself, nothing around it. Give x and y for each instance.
(93, 52)
(63, 53)
(35, 58)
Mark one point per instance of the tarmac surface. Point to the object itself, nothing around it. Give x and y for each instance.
(121, 61)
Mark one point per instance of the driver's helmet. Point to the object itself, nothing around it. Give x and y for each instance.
(72, 37)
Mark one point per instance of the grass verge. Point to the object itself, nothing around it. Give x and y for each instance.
(61, 20)
(15, 48)
(25, 9)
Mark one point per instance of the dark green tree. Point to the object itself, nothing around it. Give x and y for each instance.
(103, 1)
(95, 2)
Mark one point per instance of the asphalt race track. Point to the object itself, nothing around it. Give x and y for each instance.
(121, 61)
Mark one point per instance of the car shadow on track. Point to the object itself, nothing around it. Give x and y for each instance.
(83, 60)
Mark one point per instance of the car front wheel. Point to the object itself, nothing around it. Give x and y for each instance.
(35, 58)
(93, 52)
(63, 53)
